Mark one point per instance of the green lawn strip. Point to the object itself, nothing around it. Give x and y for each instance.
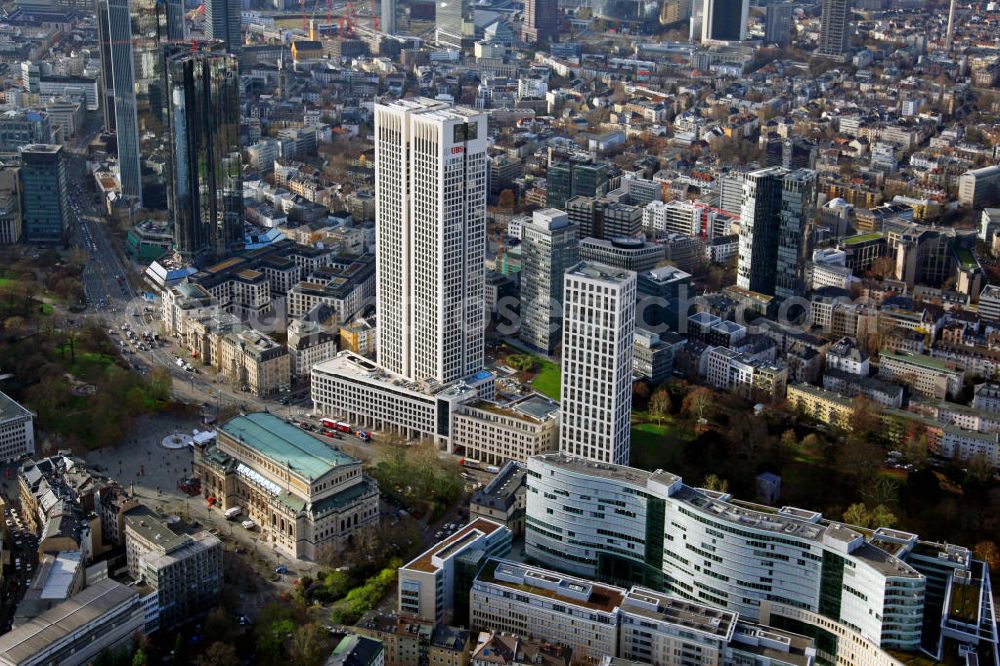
(548, 381)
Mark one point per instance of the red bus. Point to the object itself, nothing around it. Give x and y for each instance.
(340, 426)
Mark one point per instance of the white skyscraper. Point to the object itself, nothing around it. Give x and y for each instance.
(430, 234)
(598, 323)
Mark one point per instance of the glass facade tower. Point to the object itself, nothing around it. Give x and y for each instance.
(206, 193)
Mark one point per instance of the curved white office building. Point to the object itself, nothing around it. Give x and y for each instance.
(629, 526)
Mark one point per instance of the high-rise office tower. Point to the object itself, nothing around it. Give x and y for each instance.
(798, 202)
(430, 234)
(697, 20)
(541, 20)
(176, 25)
(453, 23)
(950, 34)
(673, 12)
(387, 21)
(571, 179)
(598, 323)
(137, 29)
(44, 194)
(548, 247)
(587, 216)
(222, 22)
(833, 29)
(724, 20)
(774, 233)
(759, 229)
(107, 75)
(206, 193)
(778, 23)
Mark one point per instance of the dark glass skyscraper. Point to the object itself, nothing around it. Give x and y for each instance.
(107, 75)
(206, 193)
(725, 20)
(44, 195)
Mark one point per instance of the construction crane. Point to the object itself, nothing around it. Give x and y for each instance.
(347, 20)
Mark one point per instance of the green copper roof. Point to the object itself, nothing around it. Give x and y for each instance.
(286, 445)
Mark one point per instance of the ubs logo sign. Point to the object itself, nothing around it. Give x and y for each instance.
(457, 150)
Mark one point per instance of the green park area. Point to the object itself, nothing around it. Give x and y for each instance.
(548, 380)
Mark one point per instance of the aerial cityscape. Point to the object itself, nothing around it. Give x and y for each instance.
(499, 332)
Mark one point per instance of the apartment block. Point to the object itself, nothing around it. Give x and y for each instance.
(963, 445)
(434, 586)
(987, 397)
(847, 356)
(494, 433)
(751, 378)
(529, 601)
(886, 393)
(502, 499)
(185, 570)
(820, 405)
(409, 640)
(927, 376)
(254, 362)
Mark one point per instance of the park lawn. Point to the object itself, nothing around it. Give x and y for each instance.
(46, 309)
(88, 366)
(659, 445)
(6, 282)
(808, 455)
(548, 381)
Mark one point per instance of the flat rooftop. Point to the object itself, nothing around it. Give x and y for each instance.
(453, 545)
(672, 610)
(288, 446)
(89, 606)
(426, 107)
(556, 586)
(863, 238)
(921, 360)
(593, 270)
(755, 639)
(349, 365)
(619, 473)
(155, 529)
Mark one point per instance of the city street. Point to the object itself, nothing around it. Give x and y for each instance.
(112, 298)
